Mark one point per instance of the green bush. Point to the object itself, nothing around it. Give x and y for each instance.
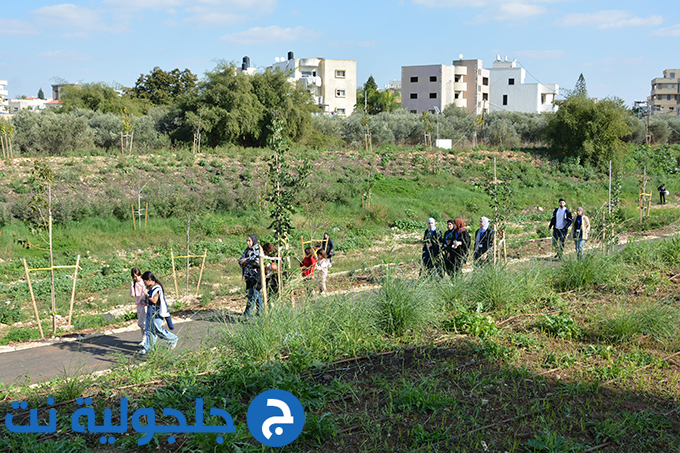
(559, 325)
(21, 334)
(9, 313)
(403, 305)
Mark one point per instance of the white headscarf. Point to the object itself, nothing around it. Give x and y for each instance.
(485, 223)
(431, 219)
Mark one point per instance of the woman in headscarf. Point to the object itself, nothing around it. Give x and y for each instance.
(483, 242)
(250, 270)
(456, 246)
(432, 240)
(327, 246)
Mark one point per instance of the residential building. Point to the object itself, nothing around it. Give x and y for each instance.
(333, 83)
(3, 95)
(509, 92)
(56, 90)
(15, 105)
(477, 93)
(664, 97)
(395, 87)
(425, 87)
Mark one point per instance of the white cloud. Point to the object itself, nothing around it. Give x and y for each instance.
(608, 19)
(451, 3)
(539, 54)
(13, 27)
(343, 44)
(211, 19)
(66, 55)
(272, 34)
(517, 11)
(70, 16)
(669, 31)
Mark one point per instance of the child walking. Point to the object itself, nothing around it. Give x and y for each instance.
(323, 264)
(138, 291)
(157, 310)
(308, 265)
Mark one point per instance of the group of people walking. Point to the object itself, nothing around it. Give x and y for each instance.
(318, 259)
(446, 252)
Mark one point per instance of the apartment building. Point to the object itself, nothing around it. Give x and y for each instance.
(428, 86)
(333, 83)
(510, 92)
(664, 98)
(3, 94)
(478, 81)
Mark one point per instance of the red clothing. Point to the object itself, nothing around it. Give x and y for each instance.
(308, 264)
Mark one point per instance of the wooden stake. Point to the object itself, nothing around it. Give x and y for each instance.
(146, 214)
(174, 275)
(73, 292)
(200, 276)
(35, 306)
(263, 280)
(188, 252)
(134, 222)
(122, 146)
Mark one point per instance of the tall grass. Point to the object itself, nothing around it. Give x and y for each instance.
(403, 305)
(658, 320)
(592, 269)
(500, 288)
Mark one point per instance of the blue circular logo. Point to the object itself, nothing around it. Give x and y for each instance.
(275, 418)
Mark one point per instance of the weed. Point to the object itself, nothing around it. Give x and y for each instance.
(474, 324)
(560, 325)
(550, 442)
(659, 321)
(403, 306)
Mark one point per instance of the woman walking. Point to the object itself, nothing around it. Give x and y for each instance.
(457, 245)
(432, 240)
(250, 270)
(483, 242)
(579, 231)
(157, 310)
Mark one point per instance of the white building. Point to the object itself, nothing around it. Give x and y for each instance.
(15, 105)
(333, 83)
(3, 94)
(509, 92)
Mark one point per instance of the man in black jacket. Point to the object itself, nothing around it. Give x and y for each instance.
(560, 222)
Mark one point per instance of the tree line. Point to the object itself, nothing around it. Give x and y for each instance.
(227, 107)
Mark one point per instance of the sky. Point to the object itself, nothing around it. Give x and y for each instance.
(619, 46)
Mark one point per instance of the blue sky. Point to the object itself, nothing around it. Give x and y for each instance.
(618, 46)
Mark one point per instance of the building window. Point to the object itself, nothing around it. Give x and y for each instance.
(670, 109)
(511, 81)
(668, 97)
(485, 96)
(414, 79)
(485, 81)
(414, 95)
(340, 111)
(456, 95)
(339, 93)
(457, 79)
(433, 95)
(672, 75)
(505, 99)
(413, 111)
(433, 78)
(542, 98)
(340, 73)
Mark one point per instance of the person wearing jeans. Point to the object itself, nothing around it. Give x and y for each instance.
(560, 222)
(579, 231)
(250, 266)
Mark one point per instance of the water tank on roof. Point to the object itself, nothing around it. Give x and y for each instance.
(246, 63)
(291, 56)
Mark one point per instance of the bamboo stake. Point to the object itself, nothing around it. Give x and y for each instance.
(35, 306)
(134, 222)
(122, 146)
(263, 280)
(73, 291)
(2, 140)
(174, 275)
(146, 214)
(200, 276)
(188, 252)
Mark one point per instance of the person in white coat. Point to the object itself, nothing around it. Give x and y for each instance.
(579, 231)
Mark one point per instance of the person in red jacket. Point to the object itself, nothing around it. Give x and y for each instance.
(308, 264)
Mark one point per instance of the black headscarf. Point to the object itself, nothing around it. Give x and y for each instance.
(253, 238)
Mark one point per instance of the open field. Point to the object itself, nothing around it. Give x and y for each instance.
(535, 356)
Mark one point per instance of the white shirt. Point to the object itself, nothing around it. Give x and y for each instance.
(561, 218)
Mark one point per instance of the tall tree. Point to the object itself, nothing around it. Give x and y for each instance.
(41, 94)
(580, 88)
(374, 100)
(99, 96)
(164, 87)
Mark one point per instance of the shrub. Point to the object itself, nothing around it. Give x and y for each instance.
(657, 320)
(402, 305)
(559, 325)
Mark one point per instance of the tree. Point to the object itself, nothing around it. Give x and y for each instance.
(164, 87)
(100, 97)
(588, 129)
(580, 88)
(41, 94)
(233, 107)
(374, 100)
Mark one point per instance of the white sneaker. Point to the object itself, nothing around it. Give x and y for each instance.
(142, 352)
(174, 345)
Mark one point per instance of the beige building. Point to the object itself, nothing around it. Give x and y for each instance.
(464, 83)
(425, 87)
(477, 94)
(333, 83)
(664, 98)
(3, 94)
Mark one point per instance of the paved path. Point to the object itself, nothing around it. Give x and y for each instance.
(98, 353)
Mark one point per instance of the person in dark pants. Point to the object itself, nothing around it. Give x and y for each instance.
(662, 193)
(456, 246)
(327, 246)
(432, 240)
(483, 243)
(250, 270)
(560, 222)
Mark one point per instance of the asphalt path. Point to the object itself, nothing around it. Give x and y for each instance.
(67, 359)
